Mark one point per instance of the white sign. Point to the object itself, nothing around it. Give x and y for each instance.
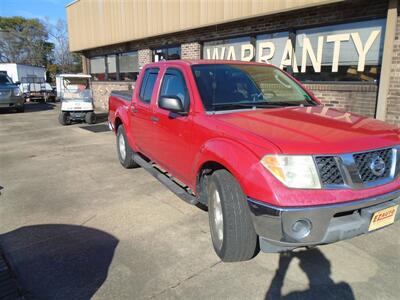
(346, 44)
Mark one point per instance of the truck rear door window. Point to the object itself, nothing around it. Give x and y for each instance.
(149, 80)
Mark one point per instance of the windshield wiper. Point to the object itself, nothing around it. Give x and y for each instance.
(256, 104)
(239, 105)
(291, 103)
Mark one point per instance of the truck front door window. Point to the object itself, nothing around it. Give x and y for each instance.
(173, 84)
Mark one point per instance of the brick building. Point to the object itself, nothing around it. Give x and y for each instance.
(346, 52)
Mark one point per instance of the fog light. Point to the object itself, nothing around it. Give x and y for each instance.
(301, 228)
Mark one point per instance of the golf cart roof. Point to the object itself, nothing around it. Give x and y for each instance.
(74, 75)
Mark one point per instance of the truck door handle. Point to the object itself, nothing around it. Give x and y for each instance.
(154, 118)
(134, 109)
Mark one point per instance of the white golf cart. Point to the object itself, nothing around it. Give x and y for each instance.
(73, 90)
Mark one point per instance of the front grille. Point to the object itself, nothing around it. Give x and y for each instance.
(364, 169)
(365, 159)
(328, 170)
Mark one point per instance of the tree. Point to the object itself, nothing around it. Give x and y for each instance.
(24, 41)
(66, 61)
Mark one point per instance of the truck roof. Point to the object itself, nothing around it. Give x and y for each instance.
(206, 61)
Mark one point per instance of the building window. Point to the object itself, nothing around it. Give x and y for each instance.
(231, 49)
(128, 66)
(112, 67)
(98, 68)
(345, 52)
(167, 53)
(342, 52)
(268, 47)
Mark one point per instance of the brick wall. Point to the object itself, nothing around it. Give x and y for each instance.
(145, 56)
(191, 50)
(357, 98)
(102, 89)
(393, 105)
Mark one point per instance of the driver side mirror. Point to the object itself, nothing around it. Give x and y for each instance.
(17, 83)
(172, 103)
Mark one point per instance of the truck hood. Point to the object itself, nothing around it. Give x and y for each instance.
(313, 130)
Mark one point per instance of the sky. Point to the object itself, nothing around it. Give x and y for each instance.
(52, 9)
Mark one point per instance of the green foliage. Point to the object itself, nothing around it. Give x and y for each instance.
(24, 41)
(39, 43)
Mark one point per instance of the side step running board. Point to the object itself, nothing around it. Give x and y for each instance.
(166, 180)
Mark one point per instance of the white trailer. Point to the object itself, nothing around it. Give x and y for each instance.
(18, 71)
(31, 80)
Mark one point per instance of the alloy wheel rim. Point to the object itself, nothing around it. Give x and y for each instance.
(218, 218)
(122, 149)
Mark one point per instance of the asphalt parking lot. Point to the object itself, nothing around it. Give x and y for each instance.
(75, 225)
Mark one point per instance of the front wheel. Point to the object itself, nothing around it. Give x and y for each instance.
(20, 108)
(125, 153)
(232, 231)
(90, 117)
(64, 119)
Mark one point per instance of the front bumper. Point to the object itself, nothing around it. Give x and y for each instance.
(11, 101)
(328, 223)
(78, 115)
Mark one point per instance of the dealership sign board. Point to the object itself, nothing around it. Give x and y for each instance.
(357, 44)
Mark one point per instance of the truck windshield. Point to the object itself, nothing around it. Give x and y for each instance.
(238, 86)
(4, 79)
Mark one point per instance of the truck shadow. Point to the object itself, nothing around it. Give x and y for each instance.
(317, 269)
(30, 107)
(57, 261)
(39, 106)
(101, 117)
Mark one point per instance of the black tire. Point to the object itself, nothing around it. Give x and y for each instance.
(64, 119)
(239, 240)
(90, 117)
(21, 108)
(126, 160)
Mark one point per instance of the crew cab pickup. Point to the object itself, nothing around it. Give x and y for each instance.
(276, 169)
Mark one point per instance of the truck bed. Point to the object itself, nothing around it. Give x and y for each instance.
(123, 95)
(117, 99)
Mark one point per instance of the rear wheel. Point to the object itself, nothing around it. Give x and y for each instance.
(125, 153)
(64, 119)
(20, 108)
(90, 118)
(232, 230)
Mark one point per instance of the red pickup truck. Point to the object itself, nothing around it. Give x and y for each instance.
(276, 169)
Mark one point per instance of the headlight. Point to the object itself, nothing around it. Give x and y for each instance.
(17, 92)
(294, 171)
